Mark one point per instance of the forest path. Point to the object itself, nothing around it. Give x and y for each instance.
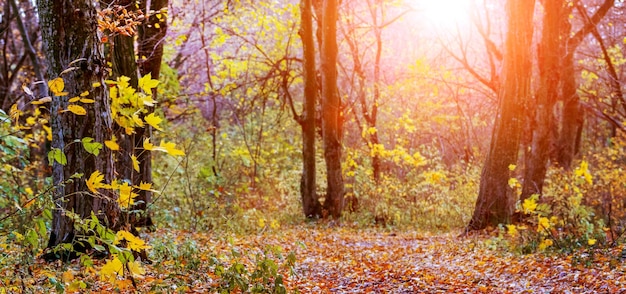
(349, 261)
(338, 260)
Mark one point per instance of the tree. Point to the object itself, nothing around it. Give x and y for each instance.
(332, 119)
(353, 36)
(76, 63)
(544, 123)
(150, 49)
(310, 201)
(495, 200)
(572, 114)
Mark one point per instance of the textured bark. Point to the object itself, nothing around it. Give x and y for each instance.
(331, 111)
(123, 63)
(544, 122)
(151, 47)
(572, 118)
(69, 34)
(310, 202)
(495, 200)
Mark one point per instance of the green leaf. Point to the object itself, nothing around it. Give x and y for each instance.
(57, 155)
(91, 146)
(99, 248)
(31, 237)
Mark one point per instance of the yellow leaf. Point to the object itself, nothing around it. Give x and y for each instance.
(112, 269)
(583, 171)
(42, 100)
(96, 84)
(545, 244)
(84, 94)
(73, 99)
(529, 205)
(29, 203)
(154, 121)
(274, 224)
(56, 86)
(261, 223)
(136, 269)
(144, 186)
(77, 109)
(543, 224)
(156, 25)
(512, 167)
(146, 83)
(137, 120)
(95, 182)
(87, 101)
(170, 148)
(592, 242)
(68, 276)
(132, 242)
(512, 230)
(135, 162)
(127, 196)
(150, 147)
(112, 144)
(48, 132)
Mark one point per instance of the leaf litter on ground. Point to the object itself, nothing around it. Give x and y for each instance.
(344, 260)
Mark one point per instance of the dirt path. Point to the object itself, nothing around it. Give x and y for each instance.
(338, 261)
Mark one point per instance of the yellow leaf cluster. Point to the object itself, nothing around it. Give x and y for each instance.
(545, 244)
(543, 224)
(128, 106)
(132, 242)
(583, 172)
(529, 205)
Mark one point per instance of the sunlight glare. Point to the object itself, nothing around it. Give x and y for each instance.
(443, 14)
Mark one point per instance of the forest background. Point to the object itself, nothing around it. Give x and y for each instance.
(343, 119)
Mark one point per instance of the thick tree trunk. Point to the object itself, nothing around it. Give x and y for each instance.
(69, 34)
(495, 201)
(331, 111)
(310, 202)
(549, 74)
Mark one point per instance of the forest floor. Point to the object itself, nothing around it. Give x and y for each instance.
(346, 260)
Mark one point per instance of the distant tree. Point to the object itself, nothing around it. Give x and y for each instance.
(544, 123)
(495, 200)
(332, 119)
(75, 53)
(310, 202)
(572, 117)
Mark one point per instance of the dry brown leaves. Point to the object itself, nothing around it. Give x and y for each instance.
(345, 260)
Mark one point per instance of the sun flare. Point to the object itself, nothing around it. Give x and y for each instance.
(443, 14)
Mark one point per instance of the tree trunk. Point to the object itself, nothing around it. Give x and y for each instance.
(151, 38)
(495, 200)
(572, 118)
(69, 35)
(331, 111)
(544, 122)
(310, 202)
